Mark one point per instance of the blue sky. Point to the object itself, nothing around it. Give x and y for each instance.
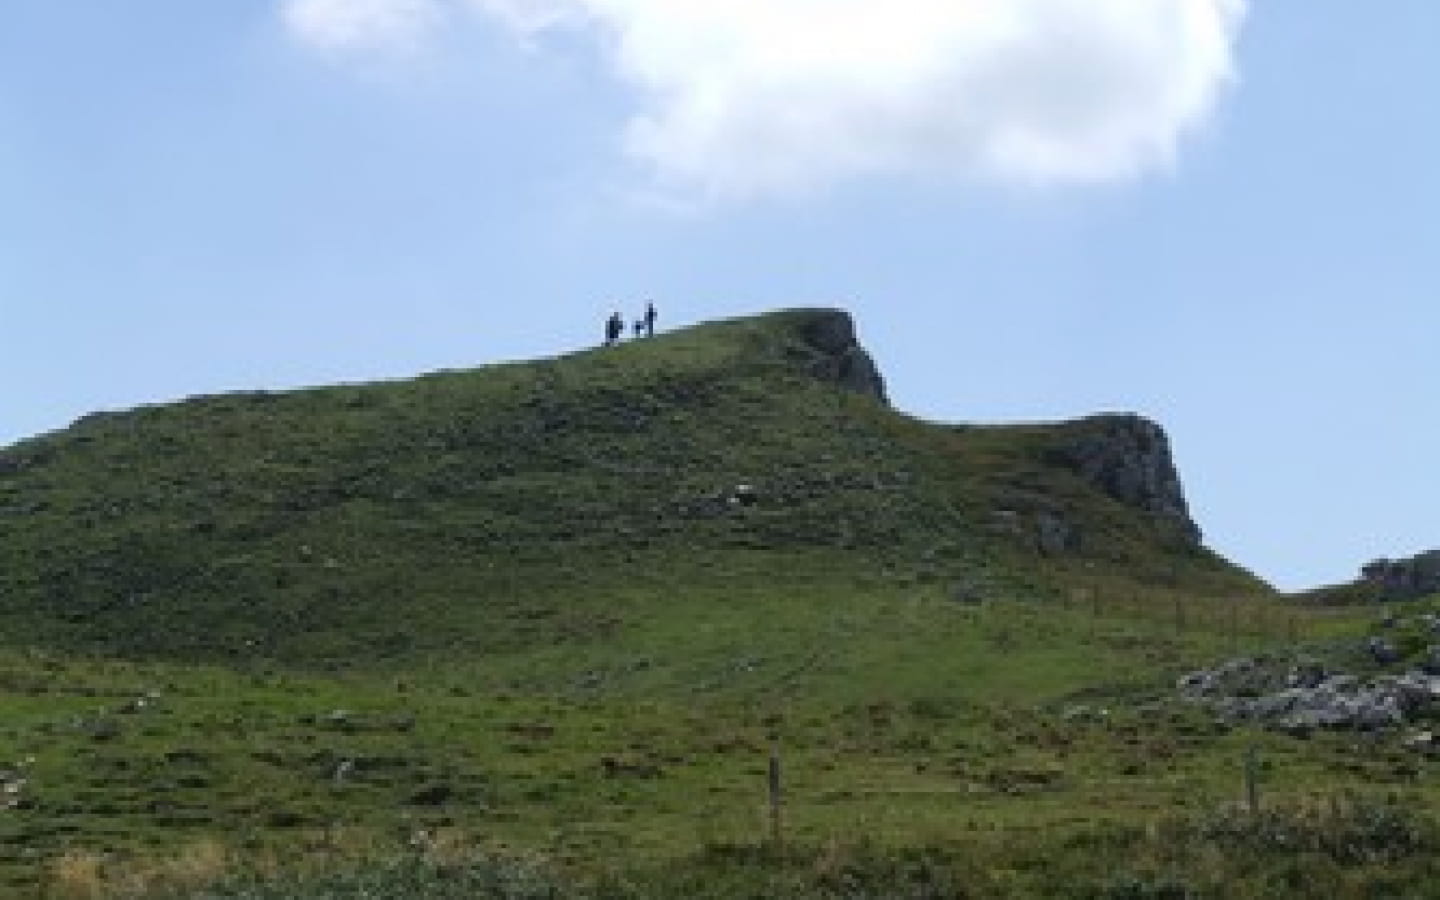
(1226, 220)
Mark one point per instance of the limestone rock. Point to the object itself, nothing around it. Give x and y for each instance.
(1306, 698)
(1405, 579)
(1128, 457)
(1382, 651)
(836, 354)
(1054, 535)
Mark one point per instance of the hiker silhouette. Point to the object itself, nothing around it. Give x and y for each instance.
(649, 319)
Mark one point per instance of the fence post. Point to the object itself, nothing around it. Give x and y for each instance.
(776, 837)
(1252, 778)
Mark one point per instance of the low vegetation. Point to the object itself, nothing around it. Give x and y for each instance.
(536, 630)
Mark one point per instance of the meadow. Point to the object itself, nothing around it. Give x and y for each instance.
(543, 629)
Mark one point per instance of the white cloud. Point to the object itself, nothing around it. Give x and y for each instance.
(529, 16)
(745, 97)
(346, 25)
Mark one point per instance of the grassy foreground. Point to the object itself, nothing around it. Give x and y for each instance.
(982, 771)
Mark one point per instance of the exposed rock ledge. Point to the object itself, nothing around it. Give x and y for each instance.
(836, 354)
(1128, 457)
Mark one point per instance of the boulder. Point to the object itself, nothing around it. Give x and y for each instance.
(1382, 651)
(1054, 535)
(1306, 674)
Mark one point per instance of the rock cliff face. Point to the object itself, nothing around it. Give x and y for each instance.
(836, 354)
(1128, 457)
(1405, 579)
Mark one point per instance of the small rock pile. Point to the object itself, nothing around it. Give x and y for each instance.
(1299, 695)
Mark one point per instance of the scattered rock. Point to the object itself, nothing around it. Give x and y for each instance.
(1308, 697)
(131, 707)
(15, 463)
(742, 495)
(1306, 674)
(1426, 742)
(1382, 651)
(967, 591)
(1230, 677)
(1083, 713)
(1053, 535)
(101, 729)
(12, 787)
(338, 718)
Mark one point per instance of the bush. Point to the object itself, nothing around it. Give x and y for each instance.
(1347, 831)
(478, 877)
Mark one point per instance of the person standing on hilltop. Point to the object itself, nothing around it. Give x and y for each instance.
(614, 327)
(649, 319)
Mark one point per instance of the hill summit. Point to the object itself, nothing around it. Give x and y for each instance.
(553, 502)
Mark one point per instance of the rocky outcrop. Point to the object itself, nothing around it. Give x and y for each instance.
(834, 354)
(1405, 579)
(1368, 684)
(1311, 698)
(1128, 457)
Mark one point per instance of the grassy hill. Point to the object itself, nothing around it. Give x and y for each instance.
(539, 626)
(515, 506)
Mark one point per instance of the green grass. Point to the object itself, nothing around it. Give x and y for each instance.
(516, 607)
(916, 728)
(475, 513)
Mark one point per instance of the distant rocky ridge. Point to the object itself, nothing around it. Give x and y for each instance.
(1404, 579)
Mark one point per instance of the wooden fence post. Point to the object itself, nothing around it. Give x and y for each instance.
(776, 837)
(1252, 779)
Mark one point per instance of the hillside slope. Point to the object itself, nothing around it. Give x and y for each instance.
(529, 505)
